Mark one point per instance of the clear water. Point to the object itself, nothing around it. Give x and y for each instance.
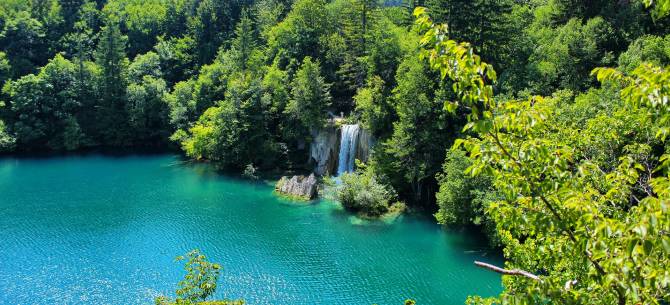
(105, 230)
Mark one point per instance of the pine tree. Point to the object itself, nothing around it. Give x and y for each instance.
(245, 39)
(357, 25)
(111, 57)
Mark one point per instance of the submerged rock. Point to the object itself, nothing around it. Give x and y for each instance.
(298, 186)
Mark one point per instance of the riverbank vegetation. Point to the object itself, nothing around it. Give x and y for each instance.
(366, 193)
(567, 169)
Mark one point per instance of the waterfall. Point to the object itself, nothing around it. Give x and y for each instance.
(348, 145)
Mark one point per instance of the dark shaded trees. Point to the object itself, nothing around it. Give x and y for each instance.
(44, 108)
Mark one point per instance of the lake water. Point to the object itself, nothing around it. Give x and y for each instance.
(106, 229)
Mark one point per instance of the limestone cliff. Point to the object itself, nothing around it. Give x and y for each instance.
(298, 187)
(364, 144)
(324, 150)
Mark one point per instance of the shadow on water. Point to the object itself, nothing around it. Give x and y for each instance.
(110, 152)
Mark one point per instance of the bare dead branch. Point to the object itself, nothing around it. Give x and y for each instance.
(507, 271)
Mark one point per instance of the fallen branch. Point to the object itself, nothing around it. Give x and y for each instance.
(507, 271)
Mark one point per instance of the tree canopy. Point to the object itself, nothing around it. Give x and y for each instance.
(494, 114)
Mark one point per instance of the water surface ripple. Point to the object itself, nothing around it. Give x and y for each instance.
(105, 230)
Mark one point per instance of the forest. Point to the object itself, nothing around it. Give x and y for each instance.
(542, 123)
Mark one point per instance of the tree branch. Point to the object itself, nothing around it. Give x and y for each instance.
(508, 271)
(599, 268)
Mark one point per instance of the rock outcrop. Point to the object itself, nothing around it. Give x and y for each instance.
(298, 187)
(323, 151)
(364, 144)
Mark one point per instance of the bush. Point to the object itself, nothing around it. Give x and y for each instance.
(363, 192)
(199, 283)
(250, 172)
(7, 142)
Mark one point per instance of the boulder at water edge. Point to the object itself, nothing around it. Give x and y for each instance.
(298, 187)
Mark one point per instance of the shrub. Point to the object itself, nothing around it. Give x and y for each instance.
(364, 192)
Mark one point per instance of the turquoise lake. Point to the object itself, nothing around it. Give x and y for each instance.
(100, 229)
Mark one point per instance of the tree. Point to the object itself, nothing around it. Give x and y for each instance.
(147, 64)
(567, 54)
(385, 50)
(299, 34)
(147, 111)
(586, 236)
(356, 18)
(7, 142)
(651, 49)
(267, 14)
(177, 58)
(374, 107)
(245, 40)
(234, 132)
(199, 283)
(463, 200)
(81, 40)
(310, 97)
(142, 21)
(5, 68)
(111, 57)
(22, 39)
(412, 155)
(44, 108)
(212, 23)
(182, 105)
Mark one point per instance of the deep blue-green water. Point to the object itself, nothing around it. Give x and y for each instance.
(106, 230)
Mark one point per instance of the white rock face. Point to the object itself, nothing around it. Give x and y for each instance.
(323, 151)
(364, 144)
(298, 186)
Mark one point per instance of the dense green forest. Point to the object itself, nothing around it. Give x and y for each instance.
(567, 166)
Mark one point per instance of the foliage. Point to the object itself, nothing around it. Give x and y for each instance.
(568, 53)
(365, 192)
(650, 49)
(584, 236)
(6, 140)
(21, 33)
(245, 40)
(412, 154)
(462, 199)
(147, 111)
(574, 182)
(199, 283)
(51, 101)
(375, 109)
(298, 35)
(309, 96)
(111, 57)
(5, 68)
(233, 132)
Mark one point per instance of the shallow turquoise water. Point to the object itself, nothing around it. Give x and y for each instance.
(105, 230)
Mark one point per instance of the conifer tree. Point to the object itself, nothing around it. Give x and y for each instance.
(111, 57)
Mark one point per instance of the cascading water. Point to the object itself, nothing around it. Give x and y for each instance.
(348, 145)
